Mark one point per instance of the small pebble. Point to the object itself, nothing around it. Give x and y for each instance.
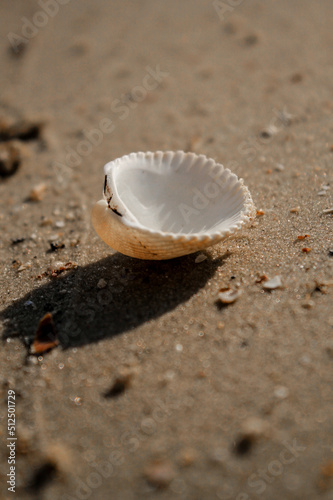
(295, 210)
(251, 40)
(60, 224)
(260, 213)
(307, 304)
(279, 167)
(16, 241)
(281, 392)
(228, 296)
(269, 131)
(273, 283)
(102, 283)
(25, 266)
(328, 211)
(321, 193)
(55, 246)
(160, 473)
(254, 427)
(70, 216)
(29, 303)
(187, 456)
(296, 78)
(38, 192)
(306, 250)
(200, 258)
(10, 158)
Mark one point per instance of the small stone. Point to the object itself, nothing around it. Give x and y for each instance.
(29, 303)
(307, 304)
(55, 246)
(251, 39)
(102, 283)
(269, 132)
(38, 192)
(296, 78)
(200, 258)
(70, 216)
(120, 384)
(328, 211)
(187, 457)
(295, 210)
(16, 241)
(281, 392)
(25, 266)
(46, 222)
(260, 213)
(228, 296)
(273, 283)
(60, 224)
(160, 473)
(322, 193)
(306, 250)
(279, 167)
(254, 427)
(10, 158)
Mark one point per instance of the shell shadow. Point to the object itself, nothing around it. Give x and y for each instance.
(132, 293)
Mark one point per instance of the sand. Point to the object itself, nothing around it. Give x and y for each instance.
(156, 390)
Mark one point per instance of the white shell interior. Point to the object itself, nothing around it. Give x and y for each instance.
(182, 194)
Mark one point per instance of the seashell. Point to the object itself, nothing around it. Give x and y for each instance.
(273, 283)
(164, 205)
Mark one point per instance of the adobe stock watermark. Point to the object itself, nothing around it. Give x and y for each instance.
(226, 7)
(122, 108)
(203, 197)
(259, 480)
(30, 27)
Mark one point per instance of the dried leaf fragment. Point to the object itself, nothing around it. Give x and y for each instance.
(46, 336)
(306, 250)
(60, 268)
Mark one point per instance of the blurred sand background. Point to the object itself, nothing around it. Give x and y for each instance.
(156, 391)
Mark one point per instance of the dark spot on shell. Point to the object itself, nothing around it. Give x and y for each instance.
(116, 212)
